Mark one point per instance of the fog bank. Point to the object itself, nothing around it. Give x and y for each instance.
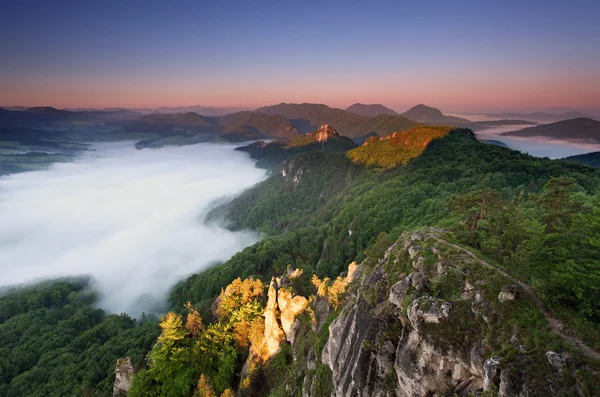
(132, 219)
(539, 147)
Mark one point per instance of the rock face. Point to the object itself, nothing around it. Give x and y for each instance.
(431, 333)
(289, 307)
(273, 332)
(292, 172)
(123, 377)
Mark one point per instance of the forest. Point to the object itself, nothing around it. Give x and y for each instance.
(537, 219)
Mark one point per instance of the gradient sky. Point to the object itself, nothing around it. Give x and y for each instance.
(456, 55)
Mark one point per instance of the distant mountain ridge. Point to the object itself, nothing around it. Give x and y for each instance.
(579, 129)
(371, 110)
(307, 117)
(426, 114)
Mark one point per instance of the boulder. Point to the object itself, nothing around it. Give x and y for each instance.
(557, 360)
(427, 309)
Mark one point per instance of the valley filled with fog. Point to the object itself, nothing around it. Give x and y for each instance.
(131, 219)
(539, 147)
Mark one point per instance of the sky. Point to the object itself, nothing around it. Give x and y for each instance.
(460, 56)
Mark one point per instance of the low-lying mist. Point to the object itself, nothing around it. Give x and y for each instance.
(539, 147)
(132, 219)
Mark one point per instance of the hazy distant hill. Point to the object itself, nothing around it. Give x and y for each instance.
(580, 129)
(48, 117)
(371, 110)
(193, 128)
(307, 117)
(541, 117)
(503, 122)
(592, 159)
(426, 114)
(203, 110)
(273, 126)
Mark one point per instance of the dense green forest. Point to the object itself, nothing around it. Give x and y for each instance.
(339, 209)
(537, 219)
(53, 342)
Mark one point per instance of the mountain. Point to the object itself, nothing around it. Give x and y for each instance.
(264, 126)
(240, 126)
(592, 159)
(307, 117)
(204, 110)
(49, 117)
(397, 148)
(324, 139)
(428, 115)
(577, 130)
(370, 110)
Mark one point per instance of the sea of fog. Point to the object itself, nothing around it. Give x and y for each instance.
(538, 147)
(132, 219)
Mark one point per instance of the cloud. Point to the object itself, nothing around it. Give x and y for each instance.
(131, 219)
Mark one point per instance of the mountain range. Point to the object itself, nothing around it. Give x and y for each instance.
(282, 121)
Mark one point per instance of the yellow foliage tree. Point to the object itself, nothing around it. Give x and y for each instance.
(336, 292)
(172, 329)
(321, 285)
(238, 293)
(227, 393)
(205, 388)
(193, 324)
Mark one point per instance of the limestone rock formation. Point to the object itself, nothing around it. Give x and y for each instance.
(405, 340)
(274, 335)
(123, 377)
(324, 133)
(289, 307)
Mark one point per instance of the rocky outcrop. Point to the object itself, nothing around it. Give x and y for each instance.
(289, 307)
(123, 377)
(324, 133)
(292, 172)
(432, 332)
(273, 332)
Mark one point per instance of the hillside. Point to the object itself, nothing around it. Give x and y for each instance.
(271, 154)
(307, 117)
(428, 115)
(272, 126)
(371, 110)
(398, 148)
(471, 269)
(577, 130)
(592, 159)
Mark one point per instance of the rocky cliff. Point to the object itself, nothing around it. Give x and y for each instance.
(428, 319)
